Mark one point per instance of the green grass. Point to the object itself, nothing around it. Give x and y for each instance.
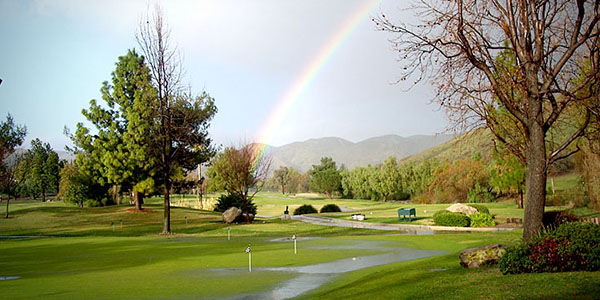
(82, 257)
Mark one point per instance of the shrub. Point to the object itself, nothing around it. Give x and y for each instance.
(447, 218)
(572, 246)
(305, 209)
(230, 200)
(481, 220)
(552, 219)
(92, 203)
(516, 260)
(480, 208)
(330, 208)
(479, 194)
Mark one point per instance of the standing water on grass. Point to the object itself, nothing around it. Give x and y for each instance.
(313, 276)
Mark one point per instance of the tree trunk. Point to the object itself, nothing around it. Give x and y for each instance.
(43, 194)
(139, 200)
(246, 208)
(520, 201)
(536, 175)
(116, 193)
(7, 202)
(200, 197)
(167, 208)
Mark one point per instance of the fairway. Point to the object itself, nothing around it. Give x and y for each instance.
(115, 252)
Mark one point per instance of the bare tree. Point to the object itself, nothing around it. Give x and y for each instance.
(242, 171)
(510, 64)
(183, 119)
(283, 177)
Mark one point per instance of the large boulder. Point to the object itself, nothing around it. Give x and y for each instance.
(231, 214)
(465, 209)
(476, 257)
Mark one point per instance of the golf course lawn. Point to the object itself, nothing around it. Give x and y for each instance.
(114, 252)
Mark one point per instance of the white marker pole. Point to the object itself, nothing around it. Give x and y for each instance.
(249, 258)
(228, 234)
(294, 238)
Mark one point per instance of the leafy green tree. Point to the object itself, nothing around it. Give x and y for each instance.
(11, 136)
(43, 167)
(73, 185)
(507, 175)
(325, 178)
(123, 151)
(390, 181)
(240, 171)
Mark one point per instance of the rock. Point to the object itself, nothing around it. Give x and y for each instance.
(476, 257)
(465, 209)
(230, 214)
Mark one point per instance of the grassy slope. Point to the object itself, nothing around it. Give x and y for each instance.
(464, 146)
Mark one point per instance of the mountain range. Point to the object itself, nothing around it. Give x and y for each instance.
(373, 151)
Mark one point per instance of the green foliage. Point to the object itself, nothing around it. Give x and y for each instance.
(92, 203)
(11, 136)
(11, 175)
(479, 194)
(572, 246)
(386, 182)
(507, 174)
(72, 185)
(455, 181)
(389, 179)
(230, 200)
(480, 208)
(447, 218)
(77, 187)
(43, 167)
(552, 219)
(124, 149)
(305, 209)
(516, 260)
(325, 178)
(482, 220)
(330, 208)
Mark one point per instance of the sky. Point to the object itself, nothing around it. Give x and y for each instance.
(248, 55)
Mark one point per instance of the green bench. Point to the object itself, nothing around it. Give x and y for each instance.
(410, 212)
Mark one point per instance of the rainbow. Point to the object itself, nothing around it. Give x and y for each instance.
(308, 75)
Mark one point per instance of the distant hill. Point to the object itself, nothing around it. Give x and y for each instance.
(62, 155)
(479, 140)
(373, 151)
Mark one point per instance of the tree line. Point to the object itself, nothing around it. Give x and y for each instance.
(33, 173)
(473, 179)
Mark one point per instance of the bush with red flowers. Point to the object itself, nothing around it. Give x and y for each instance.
(572, 246)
